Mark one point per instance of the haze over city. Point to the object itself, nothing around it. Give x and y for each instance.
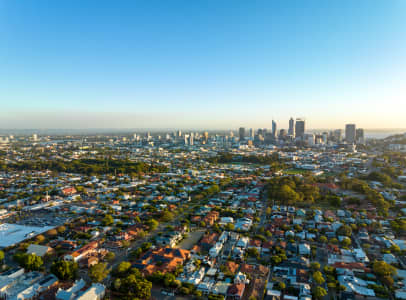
(202, 64)
(203, 150)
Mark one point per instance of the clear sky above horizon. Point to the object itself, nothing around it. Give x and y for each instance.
(202, 64)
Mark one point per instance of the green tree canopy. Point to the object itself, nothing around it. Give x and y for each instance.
(98, 272)
(65, 270)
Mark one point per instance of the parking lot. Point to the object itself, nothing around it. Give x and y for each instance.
(191, 240)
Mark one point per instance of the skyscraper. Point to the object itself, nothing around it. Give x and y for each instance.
(291, 130)
(300, 127)
(242, 133)
(274, 130)
(350, 133)
(359, 136)
(251, 133)
(206, 136)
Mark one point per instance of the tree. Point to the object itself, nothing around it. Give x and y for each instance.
(167, 216)
(229, 227)
(110, 256)
(344, 230)
(98, 272)
(268, 210)
(152, 224)
(281, 286)
(319, 292)
(253, 252)
(318, 277)
(1, 256)
(122, 269)
(383, 269)
(107, 220)
(323, 239)
(61, 229)
(31, 262)
(398, 225)
(287, 195)
(125, 244)
(276, 260)
(315, 266)
(346, 242)
(334, 241)
(135, 287)
(65, 270)
(40, 238)
(52, 232)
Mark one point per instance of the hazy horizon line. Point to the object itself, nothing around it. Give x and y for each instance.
(181, 128)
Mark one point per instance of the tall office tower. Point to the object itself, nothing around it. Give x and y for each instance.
(206, 136)
(242, 133)
(300, 128)
(291, 130)
(274, 130)
(251, 133)
(231, 134)
(179, 133)
(282, 133)
(359, 136)
(260, 131)
(325, 137)
(186, 139)
(350, 133)
(34, 137)
(337, 135)
(191, 138)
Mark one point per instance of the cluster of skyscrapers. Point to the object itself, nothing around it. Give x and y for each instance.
(297, 132)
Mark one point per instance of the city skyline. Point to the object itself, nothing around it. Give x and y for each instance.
(212, 65)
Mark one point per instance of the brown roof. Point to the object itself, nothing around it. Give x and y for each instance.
(232, 266)
(236, 289)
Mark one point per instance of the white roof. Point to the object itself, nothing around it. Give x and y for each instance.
(11, 234)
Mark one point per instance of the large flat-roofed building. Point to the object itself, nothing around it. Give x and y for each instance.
(12, 234)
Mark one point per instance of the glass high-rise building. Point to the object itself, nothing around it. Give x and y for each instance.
(291, 130)
(300, 127)
(242, 133)
(350, 133)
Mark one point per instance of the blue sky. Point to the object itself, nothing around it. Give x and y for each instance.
(202, 64)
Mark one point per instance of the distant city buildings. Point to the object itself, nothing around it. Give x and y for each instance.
(359, 136)
(296, 133)
(300, 128)
(350, 133)
(274, 130)
(242, 133)
(291, 130)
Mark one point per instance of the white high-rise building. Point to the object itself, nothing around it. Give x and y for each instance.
(274, 129)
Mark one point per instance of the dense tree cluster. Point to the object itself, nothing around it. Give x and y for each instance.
(65, 270)
(130, 284)
(292, 190)
(227, 157)
(385, 272)
(363, 188)
(30, 262)
(88, 166)
(398, 225)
